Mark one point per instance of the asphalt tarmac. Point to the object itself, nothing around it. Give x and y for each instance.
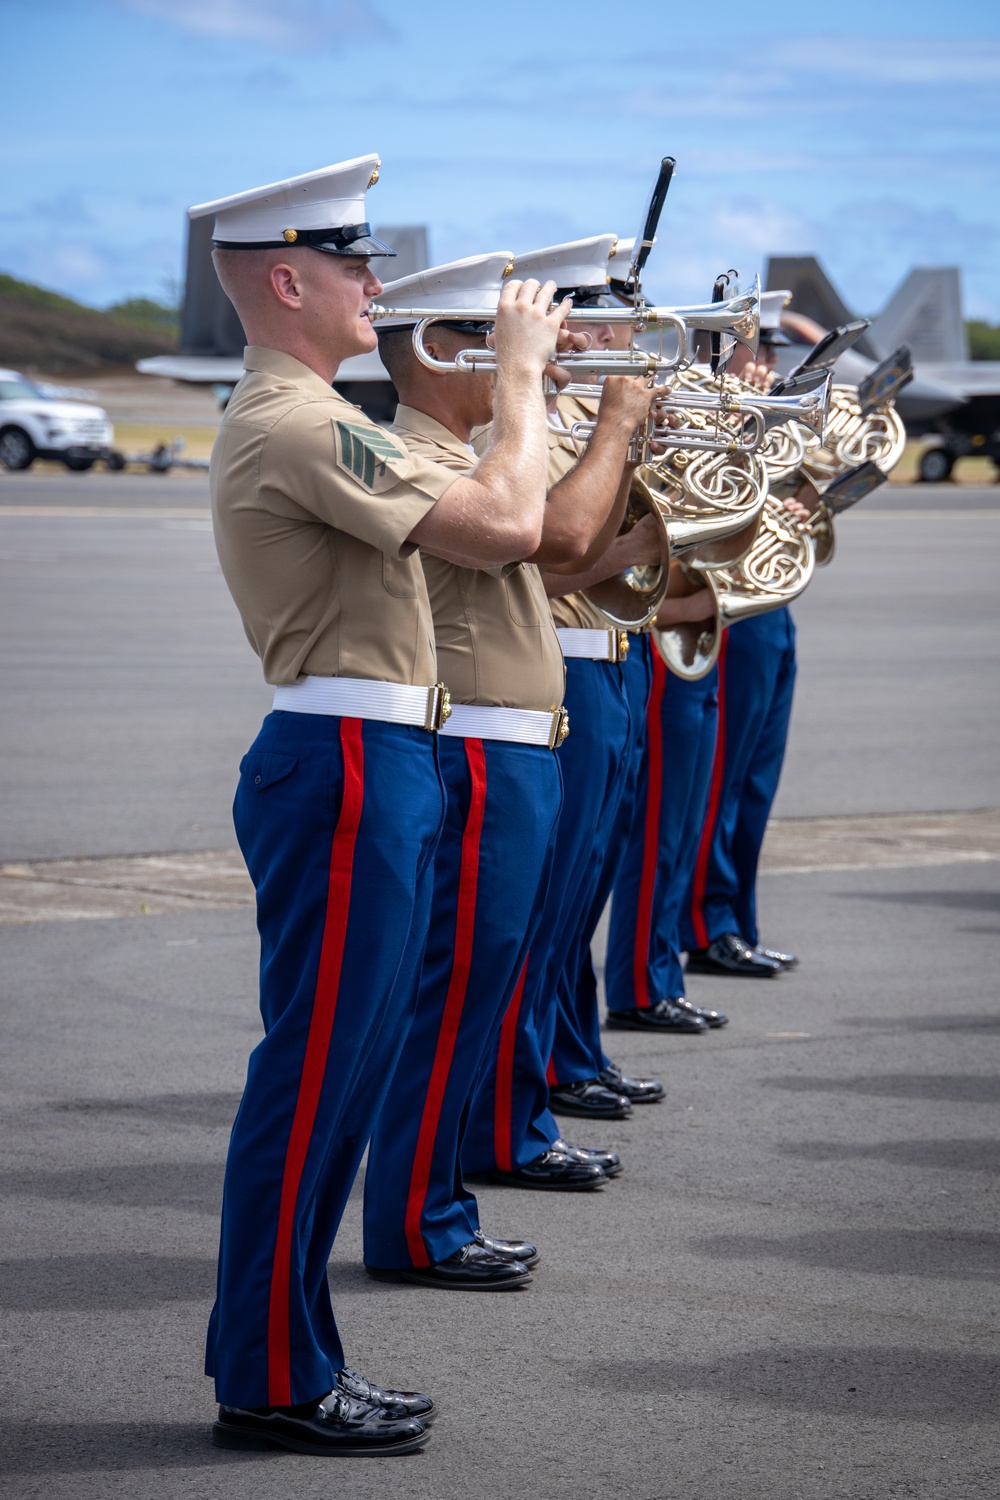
(792, 1289)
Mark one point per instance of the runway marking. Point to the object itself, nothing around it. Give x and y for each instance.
(191, 513)
(109, 512)
(70, 890)
(926, 515)
(807, 846)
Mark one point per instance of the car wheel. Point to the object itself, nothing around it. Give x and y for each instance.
(17, 451)
(79, 465)
(936, 465)
(115, 462)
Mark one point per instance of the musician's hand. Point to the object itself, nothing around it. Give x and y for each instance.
(570, 342)
(693, 607)
(759, 375)
(796, 509)
(643, 545)
(566, 343)
(625, 400)
(806, 497)
(527, 326)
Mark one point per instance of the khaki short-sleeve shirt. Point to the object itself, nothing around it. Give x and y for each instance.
(496, 644)
(312, 505)
(572, 611)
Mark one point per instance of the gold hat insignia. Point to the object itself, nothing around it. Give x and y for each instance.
(290, 235)
(374, 177)
(508, 268)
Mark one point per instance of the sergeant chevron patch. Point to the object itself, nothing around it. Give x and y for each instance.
(369, 455)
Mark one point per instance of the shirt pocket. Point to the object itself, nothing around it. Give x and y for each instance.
(523, 604)
(399, 576)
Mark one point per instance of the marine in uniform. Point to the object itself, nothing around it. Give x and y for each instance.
(498, 651)
(756, 684)
(512, 1132)
(583, 1080)
(644, 977)
(318, 515)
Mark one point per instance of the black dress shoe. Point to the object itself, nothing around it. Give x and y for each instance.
(729, 954)
(609, 1161)
(338, 1425)
(522, 1250)
(786, 960)
(471, 1269)
(555, 1170)
(712, 1018)
(637, 1090)
(665, 1016)
(588, 1099)
(396, 1403)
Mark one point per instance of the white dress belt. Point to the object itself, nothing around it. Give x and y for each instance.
(524, 726)
(359, 698)
(598, 645)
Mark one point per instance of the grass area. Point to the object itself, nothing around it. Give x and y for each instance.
(966, 471)
(40, 330)
(143, 437)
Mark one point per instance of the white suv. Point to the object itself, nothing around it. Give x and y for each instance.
(34, 425)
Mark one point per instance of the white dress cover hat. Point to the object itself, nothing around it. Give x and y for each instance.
(324, 210)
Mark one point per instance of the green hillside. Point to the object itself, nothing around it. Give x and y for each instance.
(984, 340)
(40, 330)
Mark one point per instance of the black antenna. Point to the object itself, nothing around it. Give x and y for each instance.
(644, 243)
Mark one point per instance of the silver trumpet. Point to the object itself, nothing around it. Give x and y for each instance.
(726, 416)
(738, 316)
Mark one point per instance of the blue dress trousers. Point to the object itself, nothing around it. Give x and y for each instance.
(756, 685)
(491, 870)
(337, 820)
(644, 965)
(577, 1053)
(510, 1123)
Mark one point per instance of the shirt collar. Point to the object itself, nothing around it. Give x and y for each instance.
(286, 367)
(410, 420)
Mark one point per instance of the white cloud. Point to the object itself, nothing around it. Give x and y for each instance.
(289, 25)
(883, 60)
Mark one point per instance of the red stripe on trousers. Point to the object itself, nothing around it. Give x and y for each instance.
(314, 1061)
(550, 1074)
(504, 1103)
(712, 815)
(458, 985)
(650, 838)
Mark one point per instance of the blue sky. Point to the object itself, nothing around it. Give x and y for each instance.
(865, 133)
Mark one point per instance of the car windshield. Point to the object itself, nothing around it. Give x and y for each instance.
(16, 388)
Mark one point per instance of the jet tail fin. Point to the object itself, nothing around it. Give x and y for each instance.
(813, 294)
(924, 312)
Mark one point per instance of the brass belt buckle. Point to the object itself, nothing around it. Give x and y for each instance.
(621, 645)
(438, 706)
(560, 728)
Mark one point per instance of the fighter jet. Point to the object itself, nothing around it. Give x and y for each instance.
(952, 400)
